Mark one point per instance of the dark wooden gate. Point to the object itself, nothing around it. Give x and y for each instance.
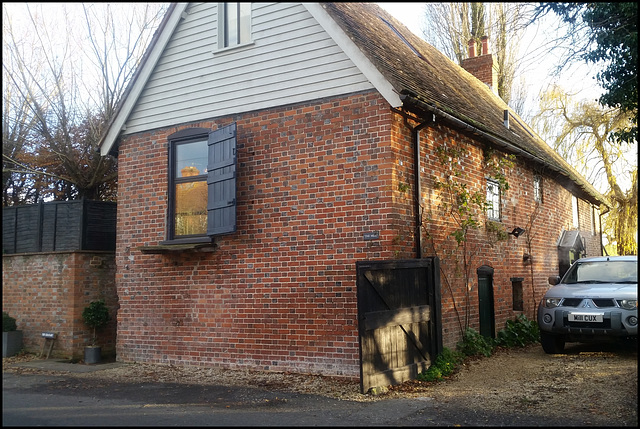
(399, 319)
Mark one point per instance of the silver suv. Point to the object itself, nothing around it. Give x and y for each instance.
(596, 299)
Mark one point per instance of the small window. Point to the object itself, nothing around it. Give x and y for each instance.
(537, 189)
(517, 295)
(189, 186)
(493, 199)
(202, 183)
(235, 24)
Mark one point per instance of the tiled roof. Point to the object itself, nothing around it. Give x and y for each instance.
(433, 83)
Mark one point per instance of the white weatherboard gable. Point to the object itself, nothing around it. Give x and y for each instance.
(373, 74)
(297, 54)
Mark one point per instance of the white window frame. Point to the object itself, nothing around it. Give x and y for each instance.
(242, 27)
(493, 199)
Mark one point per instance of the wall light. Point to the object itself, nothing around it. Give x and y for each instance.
(517, 232)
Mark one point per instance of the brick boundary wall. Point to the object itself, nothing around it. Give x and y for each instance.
(47, 292)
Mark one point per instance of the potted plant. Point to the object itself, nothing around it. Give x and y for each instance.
(11, 336)
(95, 316)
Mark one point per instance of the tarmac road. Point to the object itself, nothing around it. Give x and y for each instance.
(35, 400)
(56, 400)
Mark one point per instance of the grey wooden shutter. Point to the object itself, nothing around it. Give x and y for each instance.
(221, 181)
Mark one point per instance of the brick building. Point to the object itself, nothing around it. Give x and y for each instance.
(319, 130)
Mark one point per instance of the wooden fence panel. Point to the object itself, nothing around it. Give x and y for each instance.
(59, 226)
(27, 233)
(9, 230)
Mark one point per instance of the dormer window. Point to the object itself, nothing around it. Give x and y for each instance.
(235, 24)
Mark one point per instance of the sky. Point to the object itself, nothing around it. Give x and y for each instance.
(537, 74)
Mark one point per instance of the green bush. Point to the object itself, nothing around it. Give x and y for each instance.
(518, 333)
(443, 366)
(431, 374)
(448, 360)
(474, 344)
(8, 323)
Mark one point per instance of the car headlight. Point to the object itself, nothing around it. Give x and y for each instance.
(628, 304)
(552, 302)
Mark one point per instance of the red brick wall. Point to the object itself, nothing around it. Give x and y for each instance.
(280, 293)
(47, 292)
(543, 223)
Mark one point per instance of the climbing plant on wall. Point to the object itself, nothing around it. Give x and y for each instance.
(464, 206)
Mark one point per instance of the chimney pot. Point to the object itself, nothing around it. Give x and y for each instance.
(485, 45)
(472, 48)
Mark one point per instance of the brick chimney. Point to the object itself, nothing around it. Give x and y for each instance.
(482, 66)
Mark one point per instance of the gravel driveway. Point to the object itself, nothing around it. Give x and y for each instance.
(595, 385)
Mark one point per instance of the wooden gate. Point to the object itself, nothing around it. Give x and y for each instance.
(399, 319)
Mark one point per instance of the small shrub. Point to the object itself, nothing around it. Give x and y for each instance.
(448, 361)
(474, 344)
(518, 332)
(431, 374)
(443, 366)
(8, 323)
(96, 316)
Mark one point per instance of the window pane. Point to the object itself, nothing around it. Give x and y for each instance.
(191, 208)
(231, 24)
(245, 22)
(190, 188)
(191, 159)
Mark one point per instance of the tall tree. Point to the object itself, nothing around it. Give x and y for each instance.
(450, 26)
(65, 69)
(580, 133)
(606, 34)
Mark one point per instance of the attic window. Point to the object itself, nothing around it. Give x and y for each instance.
(234, 24)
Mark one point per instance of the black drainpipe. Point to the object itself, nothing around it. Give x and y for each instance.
(415, 137)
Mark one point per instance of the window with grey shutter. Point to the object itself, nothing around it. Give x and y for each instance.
(221, 181)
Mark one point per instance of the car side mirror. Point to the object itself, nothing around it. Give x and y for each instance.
(554, 280)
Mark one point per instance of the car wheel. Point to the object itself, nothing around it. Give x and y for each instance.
(552, 344)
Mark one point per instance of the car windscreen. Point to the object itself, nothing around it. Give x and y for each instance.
(602, 272)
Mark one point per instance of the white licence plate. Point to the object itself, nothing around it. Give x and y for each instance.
(585, 317)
